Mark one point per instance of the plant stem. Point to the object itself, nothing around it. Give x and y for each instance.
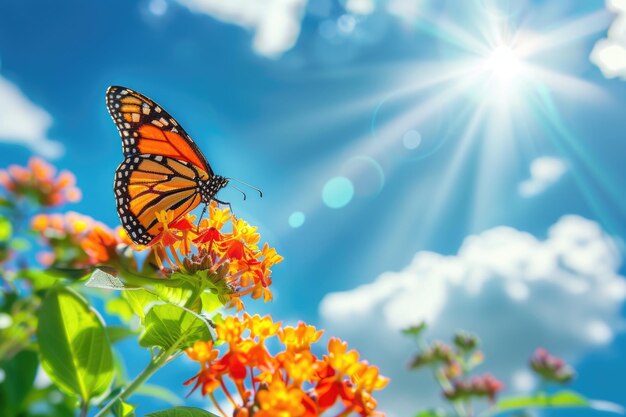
(155, 364)
(84, 408)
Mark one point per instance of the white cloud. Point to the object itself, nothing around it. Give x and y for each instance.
(544, 172)
(609, 54)
(517, 292)
(275, 23)
(24, 123)
(362, 7)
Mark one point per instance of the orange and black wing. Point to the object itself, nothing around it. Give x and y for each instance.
(146, 184)
(146, 128)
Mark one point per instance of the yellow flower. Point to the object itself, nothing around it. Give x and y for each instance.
(261, 327)
(368, 379)
(299, 338)
(300, 367)
(339, 358)
(270, 256)
(202, 352)
(242, 230)
(279, 400)
(230, 331)
(218, 217)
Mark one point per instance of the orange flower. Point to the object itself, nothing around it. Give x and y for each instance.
(207, 379)
(279, 400)
(202, 352)
(76, 240)
(261, 327)
(300, 367)
(230, 331)
(294, 382)
(368, 378)
(168, 237)
(100, 244)
(299, 338)
(38, 182)
(188, 249)
(340, 359)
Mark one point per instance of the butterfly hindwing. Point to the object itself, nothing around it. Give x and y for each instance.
(146, 128)
(146, 184)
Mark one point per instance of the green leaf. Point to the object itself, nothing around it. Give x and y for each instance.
(41, 280)
(210, 302)
(19, 375)
(6, 230)
(182, 412)
(161, 393)
(119, 307)
(139, 301)
(123, 409)
(117, 333)
(169, 326)
(431, 413)
(20, 244)
(415, 331)
(74, 349)
(561, 399)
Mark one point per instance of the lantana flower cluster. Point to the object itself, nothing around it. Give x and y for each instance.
(75, 240)
(293, 382)
(453, 363)
(39, 182)
(181, 246)
(477, 386)
(550, 367)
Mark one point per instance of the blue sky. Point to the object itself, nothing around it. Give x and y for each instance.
(448, 119)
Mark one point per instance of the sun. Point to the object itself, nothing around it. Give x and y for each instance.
(503, 64)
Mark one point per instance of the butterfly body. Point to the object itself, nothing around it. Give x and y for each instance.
(163, 168)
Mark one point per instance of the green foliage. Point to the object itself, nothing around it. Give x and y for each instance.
(123, 409)
(19, 375)
(75, 351)
(139, 301)
(162, 393)
(169, 326)
(452, 366)
(6, 230)
(431, 413)
(182, 412)
(117, 333)
(416, 331)
(561, 399)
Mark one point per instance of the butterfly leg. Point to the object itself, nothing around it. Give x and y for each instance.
(225, 204)
(200, 220)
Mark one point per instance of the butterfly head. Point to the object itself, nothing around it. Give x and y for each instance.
(211, 186)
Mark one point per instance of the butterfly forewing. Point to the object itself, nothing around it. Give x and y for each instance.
(147, 184)
(146, 128)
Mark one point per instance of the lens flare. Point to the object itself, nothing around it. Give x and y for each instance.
(504, 64)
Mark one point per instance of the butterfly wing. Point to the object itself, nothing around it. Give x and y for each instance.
(146, 184)
(146, 128)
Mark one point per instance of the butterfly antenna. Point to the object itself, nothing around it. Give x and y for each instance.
(236, 188)
(247, 185)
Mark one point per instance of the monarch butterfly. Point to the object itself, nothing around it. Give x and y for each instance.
(163, 168)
